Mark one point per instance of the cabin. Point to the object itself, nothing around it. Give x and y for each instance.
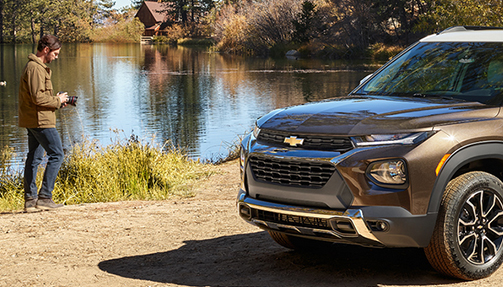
(154, 15)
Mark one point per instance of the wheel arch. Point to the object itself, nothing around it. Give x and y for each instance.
(485, 156)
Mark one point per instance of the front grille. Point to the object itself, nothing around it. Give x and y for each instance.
(291, 172)
(304, 221)
(316, 142)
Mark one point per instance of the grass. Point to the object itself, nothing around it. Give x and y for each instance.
(196, 42)
(128, 169)
(383, 52)
(11, 181)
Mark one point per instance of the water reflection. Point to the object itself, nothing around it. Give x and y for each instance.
(200, 101)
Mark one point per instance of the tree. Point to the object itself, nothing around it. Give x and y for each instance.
(187, 11)
(446, 13)
(104, 9)
(308, 24)
(78, 22)
(136, 4)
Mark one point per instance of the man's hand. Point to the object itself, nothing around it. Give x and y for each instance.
(63, 97)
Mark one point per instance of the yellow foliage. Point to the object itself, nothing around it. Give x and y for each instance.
(124, 31)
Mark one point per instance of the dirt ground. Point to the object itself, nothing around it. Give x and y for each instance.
(199, 241)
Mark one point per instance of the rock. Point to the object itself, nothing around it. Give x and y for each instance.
(293, 55)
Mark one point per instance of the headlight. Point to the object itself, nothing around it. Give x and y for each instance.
(390, 139)
(256, 130)
(388, 172)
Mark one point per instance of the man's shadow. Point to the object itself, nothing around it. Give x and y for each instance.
(255, 260)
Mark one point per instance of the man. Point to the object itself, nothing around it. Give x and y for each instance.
(37, 106)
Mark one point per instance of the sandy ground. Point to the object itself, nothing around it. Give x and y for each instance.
(188, 242)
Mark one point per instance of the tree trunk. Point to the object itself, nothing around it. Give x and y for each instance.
(13, 21)
(192, 10)
(33, 33)
(184, 17)
(41, 29)
(56, 28)
(2, 4)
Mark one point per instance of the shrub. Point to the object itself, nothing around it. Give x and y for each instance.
(11, 181)
(256, 27)
(384, 53)
(130, 169)
(126, 170)
(125, 31)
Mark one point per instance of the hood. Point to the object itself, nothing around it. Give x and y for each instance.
(374, 114)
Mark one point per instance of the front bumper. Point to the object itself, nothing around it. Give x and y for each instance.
(367, 226)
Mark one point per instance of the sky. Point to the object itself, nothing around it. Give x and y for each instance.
(121, 3)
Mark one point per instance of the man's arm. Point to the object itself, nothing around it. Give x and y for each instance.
(41, 89)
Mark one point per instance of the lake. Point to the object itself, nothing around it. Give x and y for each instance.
(202, 102)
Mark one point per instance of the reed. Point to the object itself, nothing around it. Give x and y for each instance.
(128, 169)
(383, 52)
(11, 181)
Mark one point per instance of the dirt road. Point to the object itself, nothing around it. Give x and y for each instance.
(188, 242)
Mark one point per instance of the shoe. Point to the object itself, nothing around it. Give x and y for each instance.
(30, 205)
(47, 204)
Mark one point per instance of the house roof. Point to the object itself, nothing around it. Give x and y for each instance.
(158, 10)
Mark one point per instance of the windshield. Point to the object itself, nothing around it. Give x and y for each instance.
(464, 71)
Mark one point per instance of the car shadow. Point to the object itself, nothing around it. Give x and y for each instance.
(255, 260)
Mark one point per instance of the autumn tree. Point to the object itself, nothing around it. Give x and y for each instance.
(447, 13)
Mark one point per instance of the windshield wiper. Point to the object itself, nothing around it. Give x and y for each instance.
(421, 95)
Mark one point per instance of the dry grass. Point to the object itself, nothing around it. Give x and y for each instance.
(11, 181)
(382, 52)
(128, 169)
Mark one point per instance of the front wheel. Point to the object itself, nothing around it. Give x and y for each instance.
(468, 236)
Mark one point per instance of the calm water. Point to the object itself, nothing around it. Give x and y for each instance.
(200, 101)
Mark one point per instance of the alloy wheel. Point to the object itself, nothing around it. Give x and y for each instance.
(480, 227)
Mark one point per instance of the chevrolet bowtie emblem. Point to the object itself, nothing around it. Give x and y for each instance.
(294, 141)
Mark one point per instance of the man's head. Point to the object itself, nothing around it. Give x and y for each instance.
(48, 48)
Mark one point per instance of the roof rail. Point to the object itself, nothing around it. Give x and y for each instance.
(466, 28)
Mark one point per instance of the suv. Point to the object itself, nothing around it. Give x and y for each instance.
(413, 157)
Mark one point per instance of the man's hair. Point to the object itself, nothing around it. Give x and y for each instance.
(50, 41)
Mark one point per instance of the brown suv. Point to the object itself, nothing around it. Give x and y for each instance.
(413, 157)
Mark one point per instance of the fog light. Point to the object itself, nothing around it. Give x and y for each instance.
(245, 212)
(382, 225)
(388, 172)
(379, 225)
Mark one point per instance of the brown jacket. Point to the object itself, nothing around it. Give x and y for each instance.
(37, 104)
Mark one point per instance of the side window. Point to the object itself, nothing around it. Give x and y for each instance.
(474, 78)
(495, 74)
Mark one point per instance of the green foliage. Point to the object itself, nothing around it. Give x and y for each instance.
(448, 13)
(196, 42)
(303, 23)
(70, 20)
(128, 169)
(189, 11)
(164, 40)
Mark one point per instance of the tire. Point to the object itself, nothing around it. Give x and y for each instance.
(468, 236)
(297, 243)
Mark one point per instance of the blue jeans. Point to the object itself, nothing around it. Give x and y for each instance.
(40, 139)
